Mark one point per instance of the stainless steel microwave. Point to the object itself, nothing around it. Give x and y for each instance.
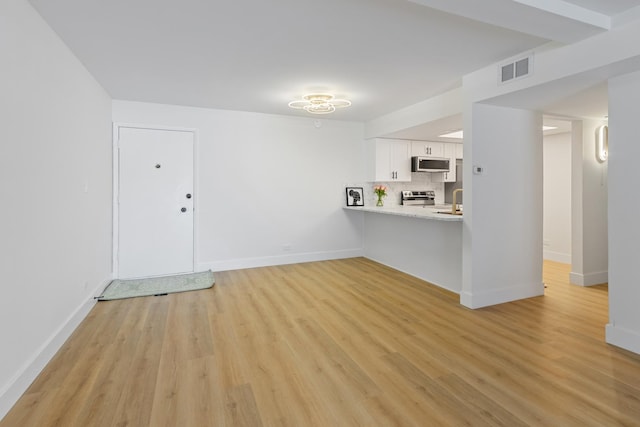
(429, 164)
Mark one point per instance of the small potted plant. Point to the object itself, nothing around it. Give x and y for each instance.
(381, 191)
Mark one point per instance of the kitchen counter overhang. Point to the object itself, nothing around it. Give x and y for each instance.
(427, 212)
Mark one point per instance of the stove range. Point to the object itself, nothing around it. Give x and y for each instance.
(418, 198)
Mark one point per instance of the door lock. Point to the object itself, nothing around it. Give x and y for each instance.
(183, 210)
(188, 195)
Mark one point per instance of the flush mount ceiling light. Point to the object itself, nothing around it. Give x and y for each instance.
(319, 103)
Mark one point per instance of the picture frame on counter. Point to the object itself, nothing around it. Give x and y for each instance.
(355, 196)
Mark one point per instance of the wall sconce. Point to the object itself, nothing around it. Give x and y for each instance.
(602, 143)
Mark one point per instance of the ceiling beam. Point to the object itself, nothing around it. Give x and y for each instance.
(554, 20)
(570, 11)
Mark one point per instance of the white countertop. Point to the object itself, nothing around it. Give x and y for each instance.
(428, 212)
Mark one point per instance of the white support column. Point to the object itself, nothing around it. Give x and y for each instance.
(502, 229)
(623, 329)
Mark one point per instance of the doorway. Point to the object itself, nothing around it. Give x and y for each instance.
(581, 239)
(556, 224)
(154, 203)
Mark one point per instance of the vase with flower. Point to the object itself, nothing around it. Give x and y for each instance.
(381, 191)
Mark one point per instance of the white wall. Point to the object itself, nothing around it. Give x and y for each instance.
(559, 73)
(502, 225)
(425, 248)
(270, 188)
(55, 170)
(589, 249)
(624, 230)
(439, 107)
(563, 70)
(557, 197)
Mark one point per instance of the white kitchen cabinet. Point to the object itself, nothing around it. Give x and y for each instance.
(459, 150)
(427, 149)
(450, 152)
(389, 160)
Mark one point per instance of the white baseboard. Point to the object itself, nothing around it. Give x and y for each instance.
(589, 279)
(21, 381)
(557, 256)
(426, 279)
(499, 296)
(623, 338)
(238, 264)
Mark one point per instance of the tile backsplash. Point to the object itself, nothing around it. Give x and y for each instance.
(419, 181)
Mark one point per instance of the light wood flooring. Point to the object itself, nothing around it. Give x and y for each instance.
(338, 343)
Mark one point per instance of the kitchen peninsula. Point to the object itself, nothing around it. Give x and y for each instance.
(415, 240)
(430, 212)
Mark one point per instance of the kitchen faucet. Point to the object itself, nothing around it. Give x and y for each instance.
(454, 206)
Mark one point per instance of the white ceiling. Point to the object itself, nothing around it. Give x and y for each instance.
(431, 131)
(607, 7)
(257, 55)
(591, 103)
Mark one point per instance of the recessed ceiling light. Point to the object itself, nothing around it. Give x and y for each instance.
(455, 134)
(459, 134)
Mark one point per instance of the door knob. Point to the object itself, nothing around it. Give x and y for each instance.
(183, 210)
(188, 195)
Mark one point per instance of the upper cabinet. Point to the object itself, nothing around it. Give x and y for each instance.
(427, 149)
(446, 150)
(459, 151)
(389, 160)
(450, 152)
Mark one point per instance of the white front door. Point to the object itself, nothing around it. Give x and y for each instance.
(155, 202)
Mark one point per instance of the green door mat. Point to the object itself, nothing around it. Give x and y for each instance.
(119, 289)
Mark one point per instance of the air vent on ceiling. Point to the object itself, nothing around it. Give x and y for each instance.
(515, 70)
